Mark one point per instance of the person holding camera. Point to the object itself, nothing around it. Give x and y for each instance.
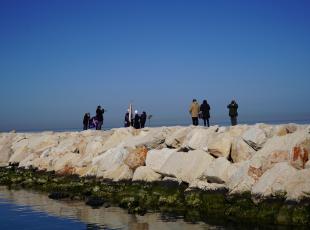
(233, 113)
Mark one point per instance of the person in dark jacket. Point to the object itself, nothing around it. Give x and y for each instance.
(205, 112)
(143, 119)
(233, 113)
(136, 121)
(127, 121)
(86, 121)
(99, 116)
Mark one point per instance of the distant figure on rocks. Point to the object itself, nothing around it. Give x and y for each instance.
(194, 111)
(233, 113)
(205, 112)
(99, 116)
(136, 120)
(86, 121)
(127, 120)
(143, 119)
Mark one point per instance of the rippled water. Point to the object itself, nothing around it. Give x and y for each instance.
(22, 209)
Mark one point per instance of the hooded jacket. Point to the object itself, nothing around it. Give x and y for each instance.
(194, 109)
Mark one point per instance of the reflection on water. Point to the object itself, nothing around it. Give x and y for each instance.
(22, 209)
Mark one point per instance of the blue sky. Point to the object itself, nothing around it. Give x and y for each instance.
(61, 58)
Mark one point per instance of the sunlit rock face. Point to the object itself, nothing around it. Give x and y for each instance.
(243, 158)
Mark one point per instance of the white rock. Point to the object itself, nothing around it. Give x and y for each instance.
(297, 185)
(272, 182)
(241, 151)
(123, 172)
(155, 159)
(198, 137)
(255, 137)
(145, 173)
(241, 181)
(176, 138)
(220, 144)
(186, 166)
(111, 159)
(219, 171)
(205, 186)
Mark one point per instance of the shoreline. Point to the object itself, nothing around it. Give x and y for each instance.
(215, 207)
(244, 172)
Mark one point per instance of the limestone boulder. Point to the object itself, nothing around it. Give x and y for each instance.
(150, 138)
(242, 180)
(123, 172)
(297, 185)
(272, 182)
(94, 147)
(117, 137)
(111, 159)
(241, 151)
(206, 186)
(219, 145)
(219, 171)
(277, 149)
(63, 160)
(186, 166)
(282, 130)
(136, 157)
(237, 130)
(5, 148)
(299, 154)
(42, 141)
(155, 159)
(20, 151)
(177, 137)
(145, 173)
(198, 138)
(255, 137)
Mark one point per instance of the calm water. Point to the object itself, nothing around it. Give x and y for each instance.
(21, 209)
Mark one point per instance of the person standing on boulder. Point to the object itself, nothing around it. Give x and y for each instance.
(136, 121)
(99, 116)
(233, 113)
(86, 121)
(143, 119)
(205, 112)
(194, 111)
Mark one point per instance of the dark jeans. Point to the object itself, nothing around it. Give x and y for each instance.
(206, 122)
(195, 121)
(99, 124)
(233, 121)
(85, 127)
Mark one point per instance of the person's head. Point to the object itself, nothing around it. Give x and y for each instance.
(136, 111)
(233, 102)
(194, 100)
(205, 102)
(98, 107)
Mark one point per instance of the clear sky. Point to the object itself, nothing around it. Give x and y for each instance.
(61, 58)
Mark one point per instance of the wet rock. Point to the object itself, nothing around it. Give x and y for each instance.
(58, 195)
(94, 201)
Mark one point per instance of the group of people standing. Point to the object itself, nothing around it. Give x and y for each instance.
(137, 121)
(203, 112)
(94, 122)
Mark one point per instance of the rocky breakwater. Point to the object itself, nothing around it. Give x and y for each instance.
(246, 173)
